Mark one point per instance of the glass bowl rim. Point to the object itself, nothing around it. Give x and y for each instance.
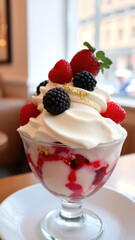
(113, 142)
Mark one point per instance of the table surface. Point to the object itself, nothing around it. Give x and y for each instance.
(122, 179)
(3, 141)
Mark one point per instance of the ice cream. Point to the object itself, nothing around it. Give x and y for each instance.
(73, 153)
(72, 172)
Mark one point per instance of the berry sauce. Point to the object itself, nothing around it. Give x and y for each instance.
(75, 162)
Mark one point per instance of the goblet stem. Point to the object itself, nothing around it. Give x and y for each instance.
(71, 222)
(71, 210)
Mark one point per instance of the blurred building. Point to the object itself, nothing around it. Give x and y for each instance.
(110, 25)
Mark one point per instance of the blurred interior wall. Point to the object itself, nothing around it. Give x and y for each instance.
(37, 42)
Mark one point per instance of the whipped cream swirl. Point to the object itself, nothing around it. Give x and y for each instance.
(81, 126)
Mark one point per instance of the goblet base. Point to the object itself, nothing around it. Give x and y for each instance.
(87, 226)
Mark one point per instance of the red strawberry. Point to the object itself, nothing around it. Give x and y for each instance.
(28, 110)
(61, 72)
(85, 60)
(115, 112)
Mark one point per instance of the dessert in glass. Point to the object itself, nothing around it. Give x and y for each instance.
(72, 139)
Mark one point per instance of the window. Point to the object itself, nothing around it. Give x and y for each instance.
(109, 1)
(108, 37)
(120, 34)
(133, 32)
(108, 25)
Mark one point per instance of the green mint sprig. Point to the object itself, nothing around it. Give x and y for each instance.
(104, 61)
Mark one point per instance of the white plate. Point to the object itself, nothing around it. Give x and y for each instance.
(20, 213)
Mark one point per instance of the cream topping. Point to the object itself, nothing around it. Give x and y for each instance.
(81, 125)
(97, 99)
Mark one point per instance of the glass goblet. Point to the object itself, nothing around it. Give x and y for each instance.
(72, 174)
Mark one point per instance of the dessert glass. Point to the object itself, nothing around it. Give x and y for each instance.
(72, 174)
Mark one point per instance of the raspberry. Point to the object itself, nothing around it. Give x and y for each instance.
(115, 112)
(56, 101)
(61, 72)
(29, 110)
(44, 83)
(85, 80)
(85, 60)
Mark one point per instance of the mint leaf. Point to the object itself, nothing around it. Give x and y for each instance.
(92, 49)
(100, 55)
(101, 67)
(107, 61)
(105, 65)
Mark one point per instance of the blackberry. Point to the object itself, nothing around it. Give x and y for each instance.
(44, 83)
(56, 101)
(85, 80)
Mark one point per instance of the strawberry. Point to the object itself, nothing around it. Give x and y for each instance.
(61, 72)
(115, 112)
(28, 110)
(85, 60)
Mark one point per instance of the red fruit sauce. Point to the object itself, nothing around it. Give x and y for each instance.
(75, 161)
